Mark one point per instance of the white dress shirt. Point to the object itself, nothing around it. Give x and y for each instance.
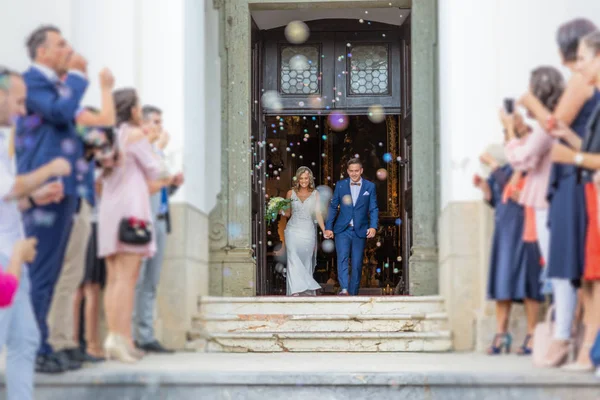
(355, 191)
(11, 228)
(51, 75)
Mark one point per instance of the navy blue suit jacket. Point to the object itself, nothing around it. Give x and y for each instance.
(48, 131)
(364, 214)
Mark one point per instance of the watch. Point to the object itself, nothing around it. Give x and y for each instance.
(578, 159)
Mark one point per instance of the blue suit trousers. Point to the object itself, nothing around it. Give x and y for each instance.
(51, 225)
(350, 246)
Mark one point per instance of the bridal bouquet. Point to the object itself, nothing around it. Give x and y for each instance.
(276, 206)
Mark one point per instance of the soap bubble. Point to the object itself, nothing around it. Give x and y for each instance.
(68, 146)
(347, 200)
(376, 113)
(328, 246)
(297, 32)
(279, 268)
(387, 157)
(43, 218)
(398, 222)
(382, 174)
(338, 121)
(271, 100)
(82, 166)
(299, 62)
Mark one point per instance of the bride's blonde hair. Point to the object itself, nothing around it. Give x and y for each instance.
(311, 179)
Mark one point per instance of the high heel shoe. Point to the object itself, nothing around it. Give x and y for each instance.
(525, 350)
(135, 352)
(502, 341)
(115, 348)
(560, 357)
(577, 366)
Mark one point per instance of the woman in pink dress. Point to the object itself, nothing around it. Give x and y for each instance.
(125, 194)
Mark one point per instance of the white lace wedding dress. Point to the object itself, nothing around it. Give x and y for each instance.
(301, 246)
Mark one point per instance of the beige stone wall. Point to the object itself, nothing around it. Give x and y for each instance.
(465, 233)
(184, 276)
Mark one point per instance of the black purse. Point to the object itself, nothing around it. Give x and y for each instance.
(135, 231)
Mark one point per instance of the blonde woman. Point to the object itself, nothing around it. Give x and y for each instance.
(301, 235)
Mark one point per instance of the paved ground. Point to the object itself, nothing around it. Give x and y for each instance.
(325, 376)
(318, 363)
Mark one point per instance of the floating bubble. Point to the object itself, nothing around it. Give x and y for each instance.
(378, 270)
(378, 244)
(68, 146)
(399, 258)
(271, 100)
(226, 271)
(396, 270)
(398, 222)
(43, 218)
(234, 229)
(297, 32)
(386, 265)
(382, 174)
(299, 63)
(338, 121)
(279, 268)
(347, 200)
(376, 113)
(328, 246)
(82, 166)
(387, 157)
(82, 191)
(301, 104)
(362, 21)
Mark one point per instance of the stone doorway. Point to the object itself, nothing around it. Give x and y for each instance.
(233, 266)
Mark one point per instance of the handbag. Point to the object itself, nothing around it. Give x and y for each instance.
(544, 334)
(135, 231)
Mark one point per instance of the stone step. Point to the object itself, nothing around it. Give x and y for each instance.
(325, 305)
(269, 342)
(321, 323)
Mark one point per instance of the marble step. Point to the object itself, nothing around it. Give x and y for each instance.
(270, 342)
(321, 323)
(326, 305)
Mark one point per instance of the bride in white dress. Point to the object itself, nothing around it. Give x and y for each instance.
(301, 235)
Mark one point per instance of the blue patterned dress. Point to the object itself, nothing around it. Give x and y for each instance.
(567, 215)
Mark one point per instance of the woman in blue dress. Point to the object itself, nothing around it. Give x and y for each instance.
(513, 262)
(566, 193)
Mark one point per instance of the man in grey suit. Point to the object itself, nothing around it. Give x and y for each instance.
(145, 292)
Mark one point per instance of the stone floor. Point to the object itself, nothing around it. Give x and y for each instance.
(326, 376)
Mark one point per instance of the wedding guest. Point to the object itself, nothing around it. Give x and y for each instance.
(125, 212)
(61, 317)
(513, 271)
(588, 157)
(567, 215)
(18, 328)
(145, 291)
(47, 132)
(532, 154)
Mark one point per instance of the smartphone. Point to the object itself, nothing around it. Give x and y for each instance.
(509, 105)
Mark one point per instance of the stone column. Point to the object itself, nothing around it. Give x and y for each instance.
(232, 269)
(423, 265)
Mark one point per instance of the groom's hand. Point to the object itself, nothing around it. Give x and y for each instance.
(328, 234)
(371, 233)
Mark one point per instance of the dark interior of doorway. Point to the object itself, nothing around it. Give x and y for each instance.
(294, 141)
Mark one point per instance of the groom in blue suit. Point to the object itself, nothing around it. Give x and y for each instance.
(355, 221)
(48, 131)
